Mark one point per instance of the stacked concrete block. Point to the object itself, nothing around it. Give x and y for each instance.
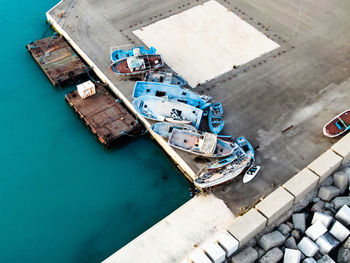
(323, 218)
(214, 251)
(343, 215)
(291, 256)
(227, 242)
(325, 259)
(325, 164)
(245, 227)
(299, 221)
(275, 204)
(308, 247)
(198, 256)
(327, 193)
(327, 243)
(316, 230)
(309, 260)
(272, 256)
(301, 184)
(341, 201)
(341, 181)
(339, 231)
(342, 147)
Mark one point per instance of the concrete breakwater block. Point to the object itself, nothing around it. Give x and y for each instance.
(227, 242)
(290, 243)
(275, 204)
(341, 201)
(284, 229)
(272, 256)
(342, 147)
(299, 221)
(327, 193)
(341, 181)
(308, 247)
(198, 256)
(309, 260)
(316, 230)
(301, 184)
(325, 164)
(323, 218)
(343, 215)
(270, 240)
(214, 251)
(291, 256)
(327, 243)
(245, 227)
(325, 259)
(339, 231)
(247, 255)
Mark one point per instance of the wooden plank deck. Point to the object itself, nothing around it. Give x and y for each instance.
(106, 118)
(57, 59)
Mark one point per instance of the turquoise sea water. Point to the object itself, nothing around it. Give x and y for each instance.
(63, 197)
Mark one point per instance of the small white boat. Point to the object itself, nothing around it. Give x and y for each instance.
(251, 173)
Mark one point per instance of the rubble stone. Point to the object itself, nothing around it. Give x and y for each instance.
(341, 181)
(291, 226)
(247, 255)
(273, 239)
(329, 205)
(291, 243)
(343, 255)
(272, 256)
(299, 221)
(296, 234)
(323, 218)
(327, 182)
(260, 251)
(318, 207)
(284, 229)
(327, 193)
(316, 199)
(340, 201)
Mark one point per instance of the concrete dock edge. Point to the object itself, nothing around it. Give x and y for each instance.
(342, 148)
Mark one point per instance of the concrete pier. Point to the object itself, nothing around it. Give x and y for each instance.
(279, 101)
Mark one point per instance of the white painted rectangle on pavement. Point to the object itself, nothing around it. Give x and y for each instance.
(205, 41)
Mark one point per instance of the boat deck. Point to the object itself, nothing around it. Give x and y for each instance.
(57, 59)
(106, 118)
(343, 122)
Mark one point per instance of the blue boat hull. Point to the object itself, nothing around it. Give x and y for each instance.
(173, 92)
(215, 122)
(120, 54)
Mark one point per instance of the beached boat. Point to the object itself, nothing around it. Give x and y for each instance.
(246, 147)
(167, 77)
(251, 173)
(164, 129)
(338, 125)
(237, 152)
(216, 124)
(134, 51)
(210, 178)
(164, 109)
(200, 143)
(173, 92)
(136, 65)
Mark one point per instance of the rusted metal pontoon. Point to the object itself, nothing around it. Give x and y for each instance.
(57, 59)
(107, 119)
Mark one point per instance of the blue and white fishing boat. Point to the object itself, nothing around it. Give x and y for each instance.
(201, 143)
(165, 109)
(167, 77)
(237, 152)
(246, 147)
(136, 65)
(164, 129)
(216, 124)
(210, 178)
(173, 92)
(134, 51)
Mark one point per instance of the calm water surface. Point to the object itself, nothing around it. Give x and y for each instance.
(63, 197)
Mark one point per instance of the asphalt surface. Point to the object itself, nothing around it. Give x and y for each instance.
(279, 102)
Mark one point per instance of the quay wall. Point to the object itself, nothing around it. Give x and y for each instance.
(183, 166)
